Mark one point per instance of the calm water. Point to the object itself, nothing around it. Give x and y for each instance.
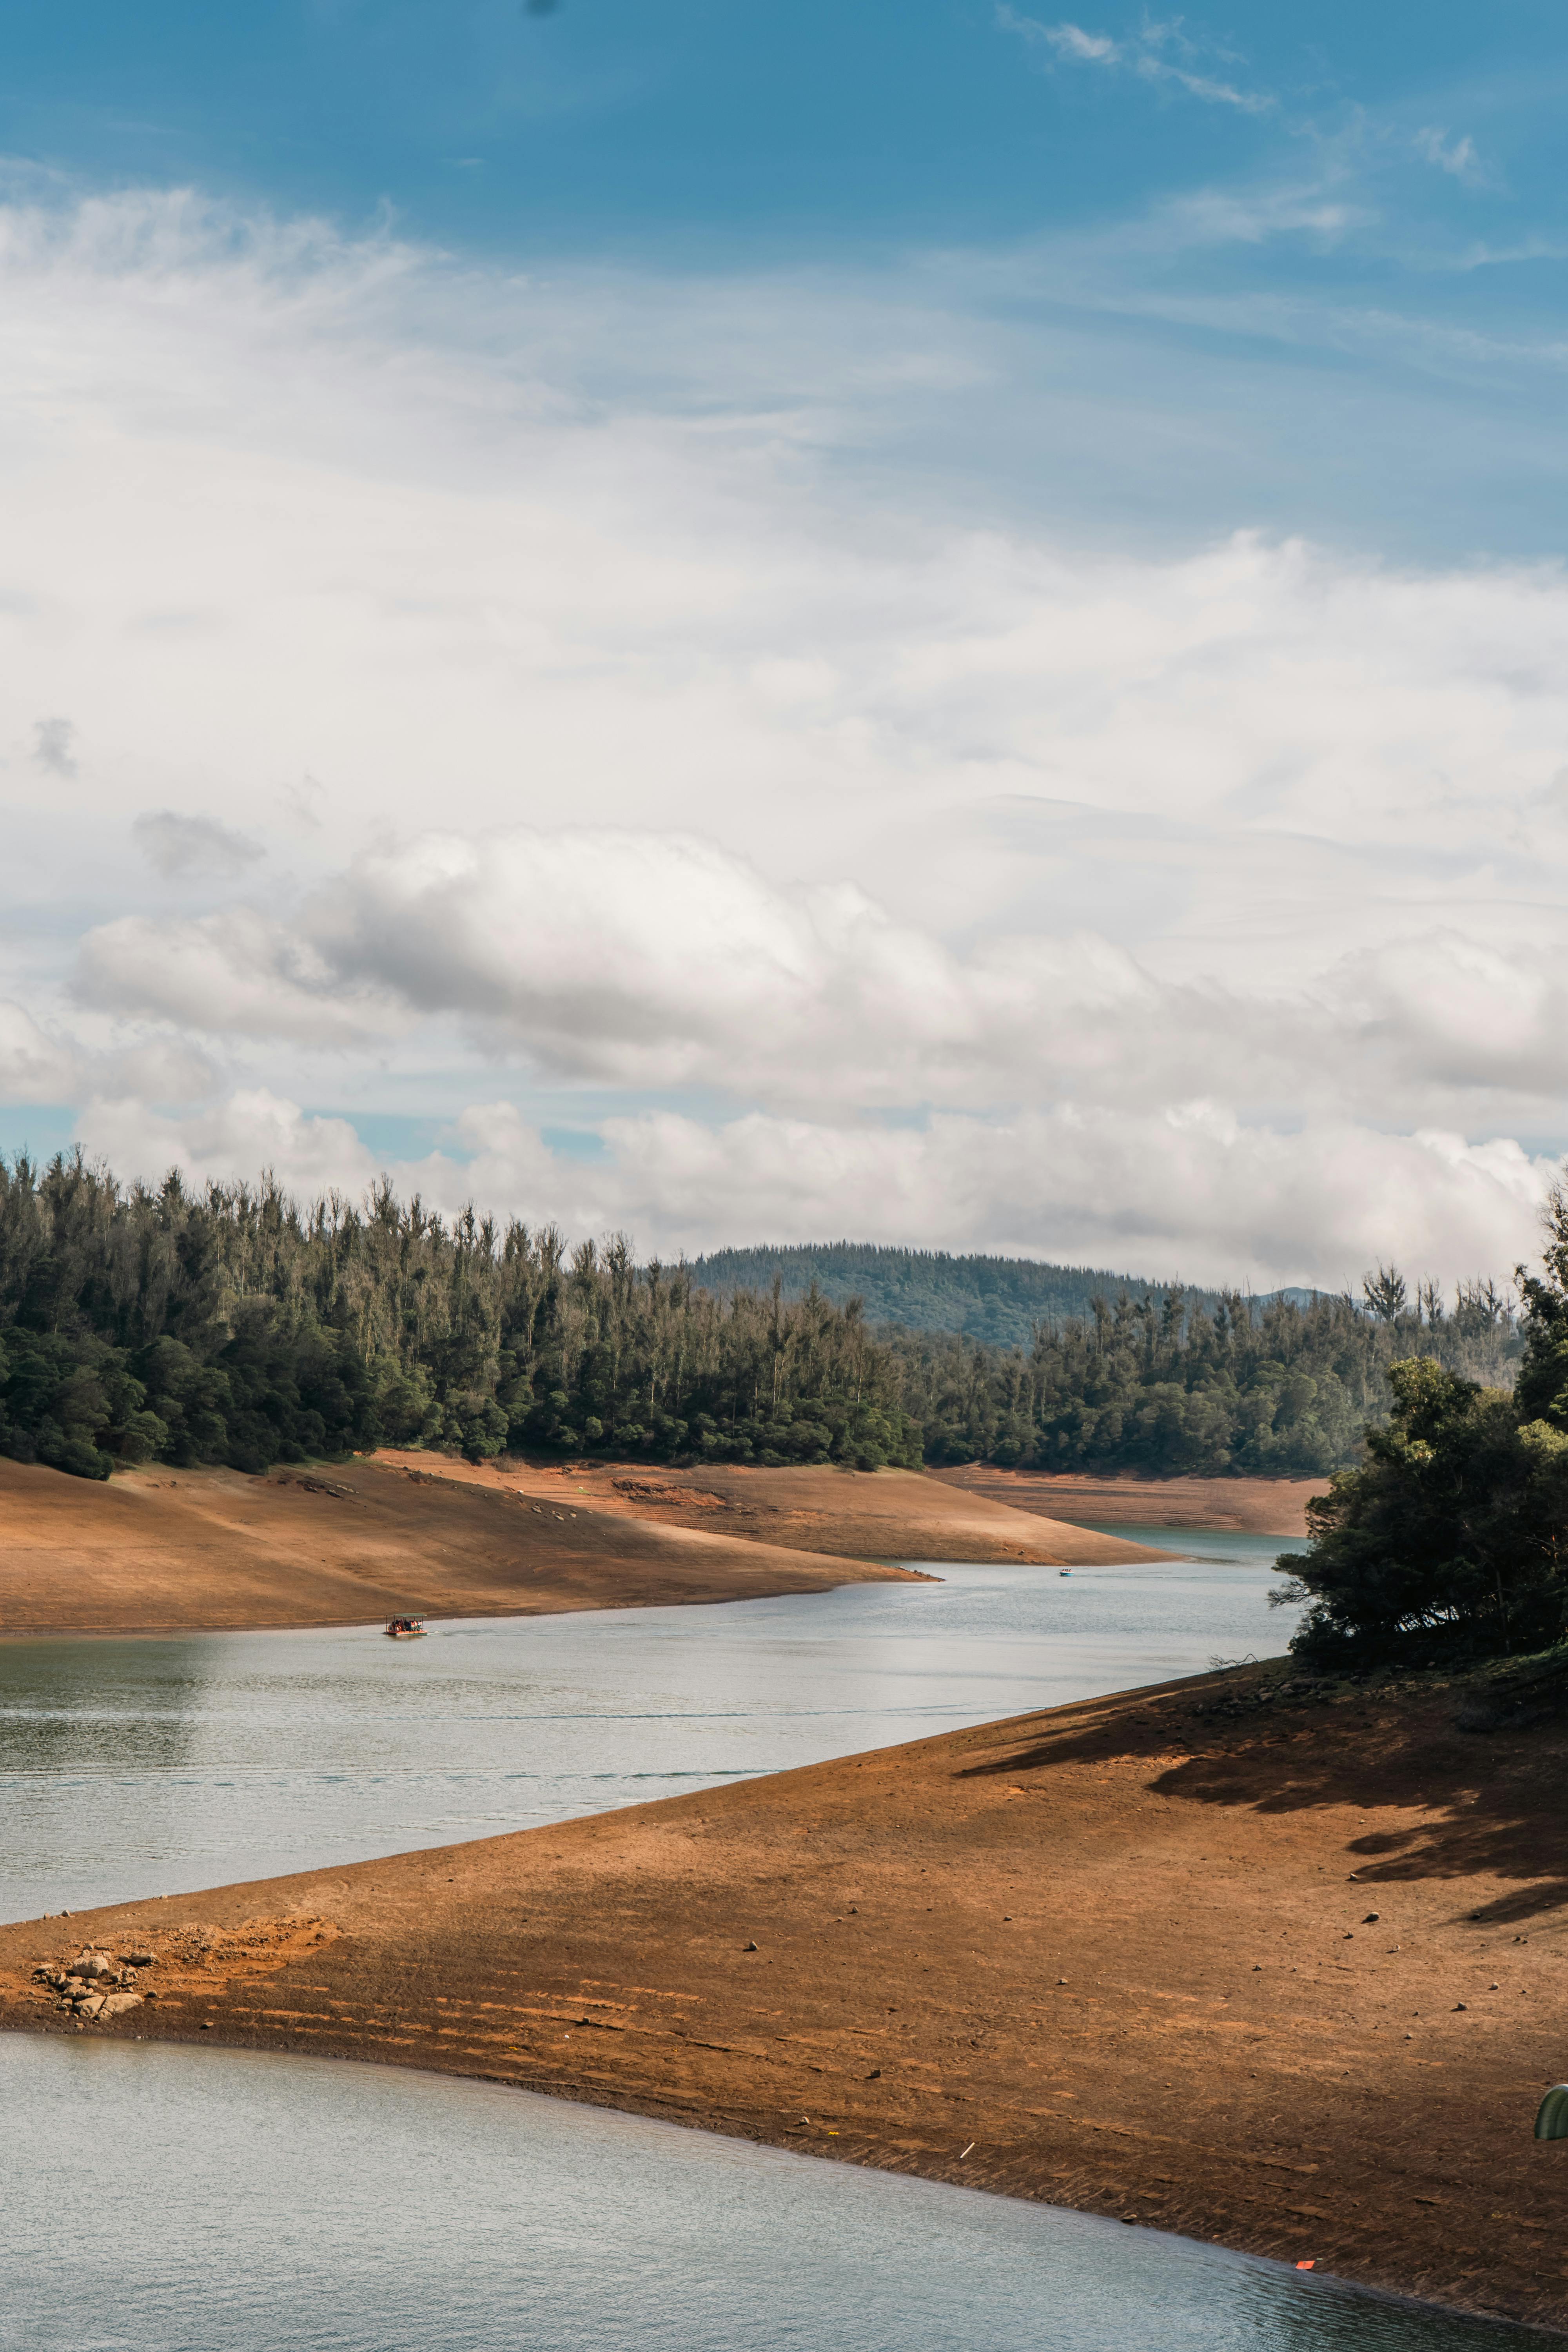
(131, 1768)
(179, 2200)
(154, 2199)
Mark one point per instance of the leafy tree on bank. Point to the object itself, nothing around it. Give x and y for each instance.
(1452, 1540)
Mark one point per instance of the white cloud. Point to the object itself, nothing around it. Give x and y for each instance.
(1457, 157)
(1145, 53)
(596, 729)
(1066, 40)
(35, 1068)
(234, 975)
(250, 1131)
(1181, 1189)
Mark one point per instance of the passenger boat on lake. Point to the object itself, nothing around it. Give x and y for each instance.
(406, 1629)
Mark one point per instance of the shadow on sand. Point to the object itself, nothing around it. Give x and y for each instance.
(1481, 1807)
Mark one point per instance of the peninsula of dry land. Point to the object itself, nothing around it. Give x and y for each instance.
(187, 1551)
(1274, 1966)
(1269, 1507)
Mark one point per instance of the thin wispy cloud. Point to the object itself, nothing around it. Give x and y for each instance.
(1457, 157)
(1155, 53)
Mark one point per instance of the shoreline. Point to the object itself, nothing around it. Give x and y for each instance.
(168, 1552)
(1112, 1943)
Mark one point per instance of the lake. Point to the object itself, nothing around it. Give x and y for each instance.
(152, 1766)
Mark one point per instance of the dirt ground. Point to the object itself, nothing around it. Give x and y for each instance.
(204, 1550)
(1269, 1506)
(158, 1549)
(1288, 1976)
(884, 1515)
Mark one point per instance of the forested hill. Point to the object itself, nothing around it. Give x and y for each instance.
(997, 1299)
(231, 1324)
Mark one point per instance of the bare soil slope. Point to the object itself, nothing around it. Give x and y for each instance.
(193, 1550)
(1269, 1506)
(1287, 1973)
(852, 1514)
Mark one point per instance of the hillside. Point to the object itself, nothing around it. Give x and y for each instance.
(998, 1301)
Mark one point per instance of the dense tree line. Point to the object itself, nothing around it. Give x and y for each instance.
(226, 1323)
(1450, 1542)
(1165, 1384)
(1000, 1300)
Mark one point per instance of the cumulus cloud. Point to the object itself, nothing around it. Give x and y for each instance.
(239, 973)
(192, 848)
(1183, 1190)
(237, 1139)
(977, 888)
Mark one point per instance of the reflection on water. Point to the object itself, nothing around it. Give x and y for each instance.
(147, 1766)
(157, 2199)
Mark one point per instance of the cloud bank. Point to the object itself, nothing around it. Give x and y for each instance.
(449, 722)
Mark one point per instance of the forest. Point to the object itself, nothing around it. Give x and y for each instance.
(227, 1323)
(1449, 1542)
(998, 1299)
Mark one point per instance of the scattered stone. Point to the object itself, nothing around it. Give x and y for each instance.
(749, 1947)
(1371, 1920)
(114, 2004)
(1461, 2004)
(140, 1959)
(875, 2075)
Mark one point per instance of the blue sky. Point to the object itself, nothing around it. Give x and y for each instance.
(944, 620)
(1329, 242)
(606, 121)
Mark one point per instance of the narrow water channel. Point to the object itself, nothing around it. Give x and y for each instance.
(175, 2201)
(150, 1767)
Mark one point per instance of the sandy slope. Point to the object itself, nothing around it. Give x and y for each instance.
(181, 1549)
(1270, 1506)
(1114, 1955)
(883, 1514)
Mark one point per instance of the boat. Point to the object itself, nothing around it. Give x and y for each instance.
(406, 1629)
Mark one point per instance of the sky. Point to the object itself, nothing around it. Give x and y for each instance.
(941, 624)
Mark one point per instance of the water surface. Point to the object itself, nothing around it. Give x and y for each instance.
(152, 1766)
(182, 2200)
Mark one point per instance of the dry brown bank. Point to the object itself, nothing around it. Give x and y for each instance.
(1122, 1947)
(856, 1515)
(1267, 1506)
(193, 1550)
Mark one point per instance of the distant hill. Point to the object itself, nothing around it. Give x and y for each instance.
(997, 1299)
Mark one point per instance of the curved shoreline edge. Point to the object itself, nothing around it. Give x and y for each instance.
(1123, 1948)
(176, 1551)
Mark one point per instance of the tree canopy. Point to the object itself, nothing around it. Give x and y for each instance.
(227, 1323)
(1451, 1539)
